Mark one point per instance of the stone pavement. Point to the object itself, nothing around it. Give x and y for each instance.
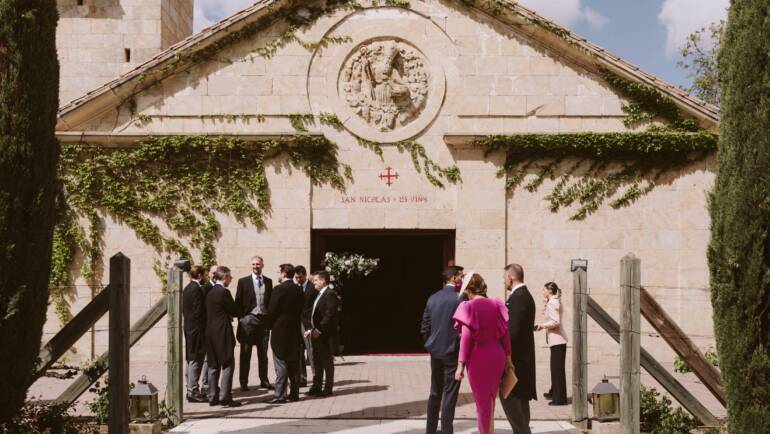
(349, 426)
(371, 388)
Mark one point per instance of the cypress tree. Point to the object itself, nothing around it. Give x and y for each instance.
(29, 99)
(739, 252)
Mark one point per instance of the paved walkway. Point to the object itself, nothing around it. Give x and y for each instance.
(349, 426)
(373, 388)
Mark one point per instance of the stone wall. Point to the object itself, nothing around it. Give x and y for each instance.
(98, 40)
(495, 80)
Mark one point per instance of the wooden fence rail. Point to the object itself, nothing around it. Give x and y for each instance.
(658, 372)
(101, 364)
(72, 331)
(682, 345)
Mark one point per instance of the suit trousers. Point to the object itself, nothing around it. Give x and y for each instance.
(443, 394)
(323, 358)
(221, 389)
(558, 378)
(517, 412)
(195, 368)
(260, 339)
(286, 372)
(306, 357)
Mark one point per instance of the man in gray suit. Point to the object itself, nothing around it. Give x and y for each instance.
(442, 342)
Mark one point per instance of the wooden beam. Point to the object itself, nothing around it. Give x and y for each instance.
(707, 373)
(579, 348)
(174, 383)
(117, 389)
(100, 365)
(658, 372)
(630, 386)
(72, 331)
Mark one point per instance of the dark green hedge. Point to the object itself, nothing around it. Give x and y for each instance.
(739, 253)
(29, 98)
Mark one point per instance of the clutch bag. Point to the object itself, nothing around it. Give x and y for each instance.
(508, 382)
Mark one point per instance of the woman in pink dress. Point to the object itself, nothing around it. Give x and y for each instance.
(485, 348)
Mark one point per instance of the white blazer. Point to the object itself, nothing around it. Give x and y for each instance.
(554, 332)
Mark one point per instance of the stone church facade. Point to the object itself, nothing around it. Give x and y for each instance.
(442, 73)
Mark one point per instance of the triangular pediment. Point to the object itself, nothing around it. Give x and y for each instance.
(530, 50)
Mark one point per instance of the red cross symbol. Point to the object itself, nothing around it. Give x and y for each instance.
(389, 176)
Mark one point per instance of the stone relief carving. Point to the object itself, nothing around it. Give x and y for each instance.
(386, 83)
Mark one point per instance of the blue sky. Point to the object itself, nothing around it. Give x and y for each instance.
(644, 32)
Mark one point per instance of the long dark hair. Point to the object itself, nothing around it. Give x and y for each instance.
(554, 288)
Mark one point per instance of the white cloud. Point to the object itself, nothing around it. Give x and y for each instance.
(566, 12)
(208, 12)
(683, 17)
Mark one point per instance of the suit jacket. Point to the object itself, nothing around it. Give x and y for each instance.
(521, 326)
(309, 295)
(325, 319)
(554, 332)
(437, 328)
(194, 319)
(284, 315)
(220, 342)
(247, 301)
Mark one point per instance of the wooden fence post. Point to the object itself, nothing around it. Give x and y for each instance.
(175, 383)
(101, 365)
(117, 392)
(579, 344)
(630, 283)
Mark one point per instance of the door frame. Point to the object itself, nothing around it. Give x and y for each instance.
(318, 240)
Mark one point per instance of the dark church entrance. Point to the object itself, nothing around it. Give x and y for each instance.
(381, 313)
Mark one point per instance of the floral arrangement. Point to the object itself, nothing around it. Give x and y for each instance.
(345, 266)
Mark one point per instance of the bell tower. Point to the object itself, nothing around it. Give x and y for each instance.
(98, 40)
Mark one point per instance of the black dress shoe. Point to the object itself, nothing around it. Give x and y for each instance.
(277, 401)
(195, 398)
(557, 403)
(293, 398)
(214, 402)
(244, 387)
(266, 385)
(230, 403)
(547, 395)
(313, 392)
(303, 384)
(326, 393)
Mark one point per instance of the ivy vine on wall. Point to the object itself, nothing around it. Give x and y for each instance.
(179, 180)
(596, 167)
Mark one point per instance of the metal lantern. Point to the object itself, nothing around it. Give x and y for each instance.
(143, 401)
(606, 401)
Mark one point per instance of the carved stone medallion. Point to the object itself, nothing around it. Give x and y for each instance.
(385, 82)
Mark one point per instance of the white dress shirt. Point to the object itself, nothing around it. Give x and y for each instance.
(315, 303)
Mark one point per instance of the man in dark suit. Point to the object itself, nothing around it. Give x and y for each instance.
(309, 292)
(194, 318)
(284, 314)
(442, 342)
(324, 333)
(521, 326)
(253, 297)
(220, 342)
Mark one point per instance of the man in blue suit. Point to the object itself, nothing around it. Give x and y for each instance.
(442, 342)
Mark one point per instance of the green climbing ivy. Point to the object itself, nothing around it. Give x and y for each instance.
(180, 180)
(596, 167)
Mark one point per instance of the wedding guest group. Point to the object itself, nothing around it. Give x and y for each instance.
(300, 313)
(493, 343)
